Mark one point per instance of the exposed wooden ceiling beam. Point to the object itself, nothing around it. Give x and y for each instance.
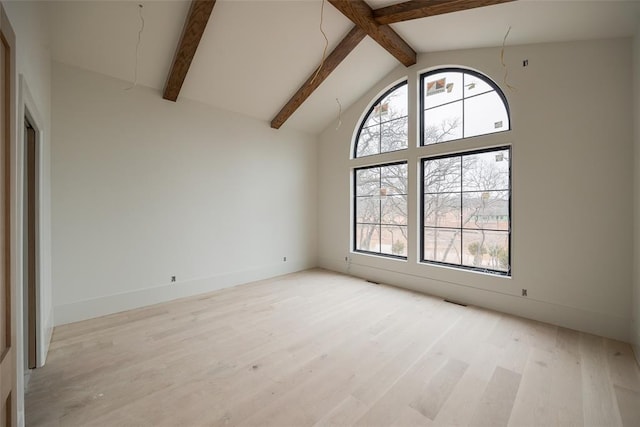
(415, 9)
(374, 23)
(346, 45)
(362, 15)
(194, 26)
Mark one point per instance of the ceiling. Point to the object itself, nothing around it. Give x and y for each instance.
(255, 54)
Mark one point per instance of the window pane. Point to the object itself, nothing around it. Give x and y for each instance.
(394, 210)
(458, 104)
(442, 175)
(442, 245)
(373, 119)
(474, 85)
(486, 209)
(381, 209)
(368, 237)
(442, 88)
(394, 241)
(443, 123)
(466, 210)
(486, 171)
(368, 182)
(442, 210)
(390, 110)
(368, 210)
(395, 104)
(486, 249)
(394, 179)
(484, 114)
(394, 135)
(369, 141)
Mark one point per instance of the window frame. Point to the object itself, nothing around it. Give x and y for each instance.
(423, 76)
(355, 209)
(364, 119)
(415, 153)
(421, 221)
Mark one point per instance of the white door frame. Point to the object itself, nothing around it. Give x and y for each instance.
(27, 109)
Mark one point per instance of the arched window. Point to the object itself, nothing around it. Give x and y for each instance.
(384, 128)
(380, 191)
(459, 104)
(466, 196)
(464, 193)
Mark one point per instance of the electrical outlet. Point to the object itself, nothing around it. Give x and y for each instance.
(525, 63)
(284, 259)
(173, 278)
(524, 292)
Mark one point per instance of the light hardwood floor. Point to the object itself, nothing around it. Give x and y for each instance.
(318, 348)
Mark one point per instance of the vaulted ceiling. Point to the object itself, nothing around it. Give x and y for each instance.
(254, 55)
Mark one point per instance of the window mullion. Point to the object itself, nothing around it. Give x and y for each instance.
(463, 103)
(461, 207)
(380, 206)
(379, 137)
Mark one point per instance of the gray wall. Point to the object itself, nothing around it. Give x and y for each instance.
(145, 189)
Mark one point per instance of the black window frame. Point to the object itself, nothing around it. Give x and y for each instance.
(461, 266)
(464, 71)
(366, 117)
(380, 224)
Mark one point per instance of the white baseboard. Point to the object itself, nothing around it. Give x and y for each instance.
(88, 309)
(561, 315)
(569, 317)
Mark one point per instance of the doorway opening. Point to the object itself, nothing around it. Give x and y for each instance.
(30, 244)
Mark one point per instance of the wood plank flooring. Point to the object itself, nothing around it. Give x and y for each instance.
(318, 348)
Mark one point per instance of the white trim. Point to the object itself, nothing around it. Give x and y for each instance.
(27, 107)
(96, 307)
(557, 314)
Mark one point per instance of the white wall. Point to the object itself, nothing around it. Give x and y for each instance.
(636, 192)
(33, 64)
(572, 176)
(145, 189)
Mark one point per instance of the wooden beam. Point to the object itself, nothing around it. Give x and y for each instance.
(194, 26)
(330, 63)
(415, 9)
(362, 15)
